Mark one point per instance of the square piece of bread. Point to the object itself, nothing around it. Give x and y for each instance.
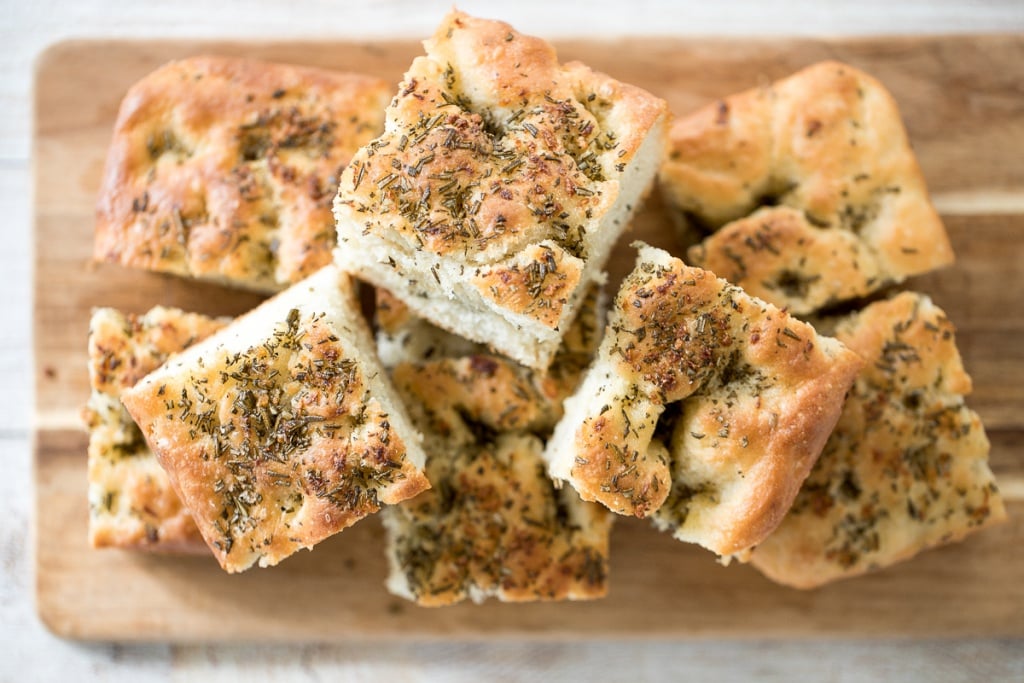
(811, 188)
(225, 169)
(705, 408)
(493, 523)
(281, 429)
(503, 178)
(907, 465)
(131, 501)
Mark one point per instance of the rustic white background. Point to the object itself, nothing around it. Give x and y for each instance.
(28, 652)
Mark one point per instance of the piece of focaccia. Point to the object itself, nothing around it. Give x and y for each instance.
(811, 188)
(225, 169)
(503, 178)
(705, 408)
(131, 501)
(493, 524)
(907, 465)
(281, 429)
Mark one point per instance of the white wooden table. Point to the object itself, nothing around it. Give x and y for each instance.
(29, 652)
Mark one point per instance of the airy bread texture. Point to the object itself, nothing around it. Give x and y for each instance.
(490, 204)
(493, 524)
(281, 429)
(225, 169)
(907, 465)
(811, 188)
(131, 501)
(705, 408)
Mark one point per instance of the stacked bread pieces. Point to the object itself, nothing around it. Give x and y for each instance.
(242, 405)
(810, 188)
(840, 211)
(493, 524)
(281, 429)
(705, 408)
(488, 207)
(225, 169)
(490, 204)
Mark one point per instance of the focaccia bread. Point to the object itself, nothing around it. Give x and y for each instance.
(490, 204)
(907, 465)
(493, 524)
(225, 169)
(131, 501)
(281, 429)
(811, 188)
(705, 408)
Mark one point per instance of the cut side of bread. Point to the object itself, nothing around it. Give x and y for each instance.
(491, 202)
(281, 429)
(131, 501)
(810, 187)
(705, 408)
(225, 169)
(493, 524)
(907, 465)
(405, 338)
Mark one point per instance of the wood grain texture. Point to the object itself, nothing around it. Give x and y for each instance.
(962, 101)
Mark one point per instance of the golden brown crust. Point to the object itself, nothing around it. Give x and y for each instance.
(496, 160)
(778, 256)
(744, 394)
(390, 314)
(827, 143)
(539, 282)
(225, 169)
(277, 432)
(490, 388)
(493, 524)
(492, 145)
(131, 501)
(907, 465)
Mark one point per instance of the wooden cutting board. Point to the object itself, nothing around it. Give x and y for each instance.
(963, 101)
